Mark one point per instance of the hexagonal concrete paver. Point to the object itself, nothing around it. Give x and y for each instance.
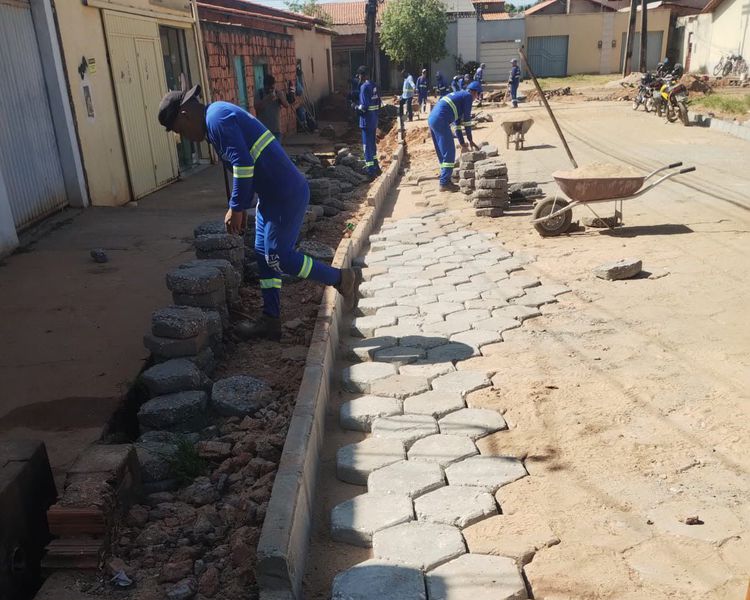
(365, 326)
(471, 422)
(501, 290)
(367, 289)
(487, 472)
(458, 297)
(524, 280)
(477, 577)
(486, 303)
(364, 349)
(424, 340)
(475, 314)
(369, 306)
(536, 297)
(376, 579)
(462, 382)
(358, 414)
(399, 386)
(477, 338)
(355, 521)
(455, 505)
(355, 462)
(452, 351)
(437, 404)
(444, 330)
(442, 449)
(398, 311)
(499, 324)
(407, 429)
(517, 311)
(517, 536)
(360, 377)
(418, 545)
(441, 308)
(399, 355)
(406, 478)
(426, 369)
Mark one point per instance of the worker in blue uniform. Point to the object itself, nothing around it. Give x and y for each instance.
(423, 88)
(465, 81)
(457, 83)
(514, 79)
(479, 76)
(455, 108)
(259, 166)
(368, 107)
(442, 86)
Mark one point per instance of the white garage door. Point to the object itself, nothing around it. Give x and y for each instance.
(497, 57)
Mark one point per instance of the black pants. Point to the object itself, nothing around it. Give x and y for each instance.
(410, 108)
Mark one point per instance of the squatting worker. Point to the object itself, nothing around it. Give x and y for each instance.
(455, 108)
(259, 165)
(368, 107)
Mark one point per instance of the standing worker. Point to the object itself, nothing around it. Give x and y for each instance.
(259, 165)
(479, 76)
(368, 107)
(269, 104)
(442, 86)
(407, 94)
(423, 88)
(453, 108)
(456, 83)
(514, 79)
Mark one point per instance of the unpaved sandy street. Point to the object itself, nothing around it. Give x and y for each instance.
(627, 399)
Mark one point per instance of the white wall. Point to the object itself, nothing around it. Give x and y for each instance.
(467, 38)
(725, 31)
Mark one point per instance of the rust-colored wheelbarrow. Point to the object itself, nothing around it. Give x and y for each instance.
(553, 216)
(515, 131)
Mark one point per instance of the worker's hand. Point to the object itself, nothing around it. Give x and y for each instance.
(236, 221)
(474, 145)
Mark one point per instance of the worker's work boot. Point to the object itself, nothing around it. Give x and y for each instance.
(347, 287)
(265, 327)
(449, 187)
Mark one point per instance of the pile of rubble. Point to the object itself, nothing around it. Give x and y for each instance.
(483, 176)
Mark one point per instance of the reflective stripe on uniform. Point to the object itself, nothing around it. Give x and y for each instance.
(270, 284)
(468, 123)
(453, 106)
(243, 172)
(373, 108)
(260, 145)
(447, 165)
(307, 264)
(370, 163)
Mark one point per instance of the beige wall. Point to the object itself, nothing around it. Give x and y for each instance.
(725, 31)
(82, 34)
(584, 32)
(313, 44)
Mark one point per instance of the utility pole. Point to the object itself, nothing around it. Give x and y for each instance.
(626, 63)
(644, 35)
(371, 12)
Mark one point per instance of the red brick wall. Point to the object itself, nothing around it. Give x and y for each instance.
(223, 43)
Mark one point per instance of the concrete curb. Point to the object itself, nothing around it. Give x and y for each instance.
(734, 128)
(285, 538)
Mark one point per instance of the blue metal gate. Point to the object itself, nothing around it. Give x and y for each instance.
(548, 55)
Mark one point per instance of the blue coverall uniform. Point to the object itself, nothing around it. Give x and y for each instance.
(514, 79)
(453, 108)
(442, 87)
(457, 83)
(260, 165)
(423, 88)
(369, 105)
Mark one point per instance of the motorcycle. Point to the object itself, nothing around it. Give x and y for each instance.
(645, 96)
(673, 101)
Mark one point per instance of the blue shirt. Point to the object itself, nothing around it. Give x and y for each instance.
(369, 104)
(423, 84)
(457, 83)
(455, 108)
(479, 74)
(515, 75)
(258, 162)
(408, 88)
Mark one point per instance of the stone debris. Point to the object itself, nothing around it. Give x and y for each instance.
(180, 412)
(178, 322)
(176, 375)
(240, 396)
(621, 269)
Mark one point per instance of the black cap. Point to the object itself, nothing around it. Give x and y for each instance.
(170, 105)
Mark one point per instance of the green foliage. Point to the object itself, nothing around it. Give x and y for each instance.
(413, 31)
(311, 8)
(731, 104)
(186, 464)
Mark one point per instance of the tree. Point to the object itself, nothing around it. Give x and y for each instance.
(311, 8)
(413, 31)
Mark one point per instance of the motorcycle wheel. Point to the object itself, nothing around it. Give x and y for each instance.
(648, 105)
(683, 114)
(717, 68)
(672, 115)
(727, 69)
(636, 103)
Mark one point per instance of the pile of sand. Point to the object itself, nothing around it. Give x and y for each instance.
(600, 171)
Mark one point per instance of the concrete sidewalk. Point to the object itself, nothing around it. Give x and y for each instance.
(72, 329)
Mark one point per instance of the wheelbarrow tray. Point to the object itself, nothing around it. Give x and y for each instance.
(518, 126)
(593, 189)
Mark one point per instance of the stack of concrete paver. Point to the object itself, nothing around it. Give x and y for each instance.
(490, 197)
(466, 174)
(222, 246)
(434, 295)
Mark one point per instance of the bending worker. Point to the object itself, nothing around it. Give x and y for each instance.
(454, 108)
(259, 165)
(368, 107)
(423, 88)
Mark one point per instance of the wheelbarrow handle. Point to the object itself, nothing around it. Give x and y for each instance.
(675, 165)
(688, 170)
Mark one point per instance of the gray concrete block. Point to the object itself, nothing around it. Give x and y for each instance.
(436, 404)
(217, 241)
(358, 414)
(366, 326)
(406, 478)
(426, 369)
(517, 311)
(195, 280)
(362, 376)
(472, 422)
(365, 349)
(165, 348)
(442, 449)
(370, 306)
(181, 412)
(405, 428)
(452, 352)
(399, 355)
(462, 382)
(399, 386)
(240, 395)
(355, 462)
(476, 338)
(176, 375)
(376, 579)
(178, 322)
(355, 521)
(478, 577)
(486, 472)
(621, 269)
(418, 545)
(499, 324)
(455, 505)
(216, 299)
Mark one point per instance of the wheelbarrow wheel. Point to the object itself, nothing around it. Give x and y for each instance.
(556, 225)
